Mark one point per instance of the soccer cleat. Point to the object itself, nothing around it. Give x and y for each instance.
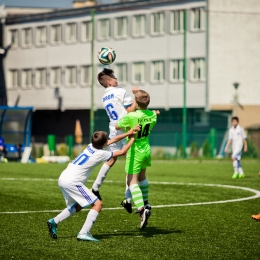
(52, 226)
(241, 176)
(127, 206)
(235, 175)
(146, 206)
(96, 193)
(256, 217)
(144, 215)
(86, 237)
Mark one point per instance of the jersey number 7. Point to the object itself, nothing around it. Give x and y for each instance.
(144, 131)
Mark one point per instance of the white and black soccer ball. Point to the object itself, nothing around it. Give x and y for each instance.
(106, 55)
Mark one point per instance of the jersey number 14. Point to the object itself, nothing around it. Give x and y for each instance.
(144, 131)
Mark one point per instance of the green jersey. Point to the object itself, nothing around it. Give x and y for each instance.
(146, 119)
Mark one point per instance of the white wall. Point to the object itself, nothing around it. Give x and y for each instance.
(234, 51)
(146, 49)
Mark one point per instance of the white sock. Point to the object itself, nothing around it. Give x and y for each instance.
(240, 170)
(235, 166)
(128, 194)
(91, 218)
(101, 176)
(66, 213)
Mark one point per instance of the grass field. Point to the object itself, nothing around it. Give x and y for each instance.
(210, 231)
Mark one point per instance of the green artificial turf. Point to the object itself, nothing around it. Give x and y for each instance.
(214, 231)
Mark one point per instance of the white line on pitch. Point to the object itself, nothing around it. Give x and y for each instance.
(256, 192)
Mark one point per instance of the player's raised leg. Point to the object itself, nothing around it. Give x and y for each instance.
(126, 202)
(144, 186)
(102, 176)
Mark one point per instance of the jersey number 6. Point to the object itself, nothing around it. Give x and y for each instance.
(112, 113)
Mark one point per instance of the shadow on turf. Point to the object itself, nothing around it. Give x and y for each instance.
(147, 232)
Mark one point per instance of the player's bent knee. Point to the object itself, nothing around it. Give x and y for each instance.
(97, 205)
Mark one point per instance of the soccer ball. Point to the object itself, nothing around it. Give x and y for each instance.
(106, 55)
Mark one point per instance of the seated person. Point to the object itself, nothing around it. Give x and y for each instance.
(2, 149)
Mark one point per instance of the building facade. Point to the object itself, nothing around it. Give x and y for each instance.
(48, 65)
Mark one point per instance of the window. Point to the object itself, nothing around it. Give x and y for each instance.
(40, 78)
(139, 24)
(176, 21)
(14, 38)
(121, 72)
(157, 72)
(13, 79)
(176, 70)
(56, 35)
(157, 23)
(103, 29)
(197, 69)
(41, 35)
(71, 32)
(139, 72)
(71, 76)
(86, 31)
(27, 37)
(201, 118)
(55, 76)
(198, 19)
(121, 27)
(27, 78)
(86, 76)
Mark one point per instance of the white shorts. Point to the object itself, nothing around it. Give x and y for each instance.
(237, 154)
(76, 193)
(118, 145)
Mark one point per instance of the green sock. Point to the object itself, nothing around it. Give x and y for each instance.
(144, 186)
(137, 196)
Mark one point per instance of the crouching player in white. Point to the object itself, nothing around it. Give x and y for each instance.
(73, 178)
(238, 137)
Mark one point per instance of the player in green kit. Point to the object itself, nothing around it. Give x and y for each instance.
(139, 155)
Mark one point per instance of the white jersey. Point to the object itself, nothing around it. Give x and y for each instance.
(237, 135)
(80, 168)
(115, 101)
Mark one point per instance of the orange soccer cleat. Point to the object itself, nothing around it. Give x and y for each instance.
(256, 217)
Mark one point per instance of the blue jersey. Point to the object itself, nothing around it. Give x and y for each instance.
(2, 141)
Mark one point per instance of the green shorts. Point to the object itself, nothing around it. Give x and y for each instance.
(137, 160)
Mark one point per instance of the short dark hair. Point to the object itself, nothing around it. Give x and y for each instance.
(234, 118)
(99, 139)
(103, 76)
(142, 98)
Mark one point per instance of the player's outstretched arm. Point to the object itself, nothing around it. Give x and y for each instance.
(131, 108)
(157, 112)
(125, 148)
(132, 131)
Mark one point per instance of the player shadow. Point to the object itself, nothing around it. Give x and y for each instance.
(147, 232)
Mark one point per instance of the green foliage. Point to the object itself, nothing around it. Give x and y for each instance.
(194, 149)
(252, 151)
(180, 151)
(40, 152)
(206, 148)
(62, 149)
(34, 152)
